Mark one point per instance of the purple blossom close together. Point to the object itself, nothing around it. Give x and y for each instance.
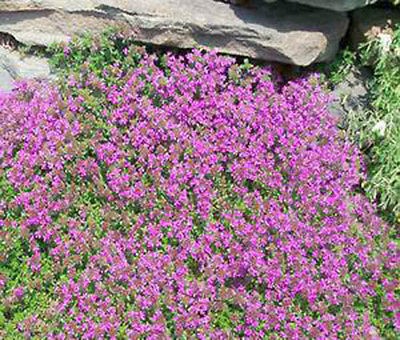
(198, 199)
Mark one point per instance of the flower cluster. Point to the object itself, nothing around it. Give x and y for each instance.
(193, 197)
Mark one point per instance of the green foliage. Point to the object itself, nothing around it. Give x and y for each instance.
(15, 273)
(341, 66)
(380, 134)
(377, 131)
(98, 55)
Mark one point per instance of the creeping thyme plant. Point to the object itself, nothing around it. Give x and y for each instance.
(185, 197)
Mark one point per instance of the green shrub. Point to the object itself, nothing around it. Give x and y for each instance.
(377, 131)
(380, 134)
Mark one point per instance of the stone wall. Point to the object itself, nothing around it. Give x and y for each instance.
(298, 32)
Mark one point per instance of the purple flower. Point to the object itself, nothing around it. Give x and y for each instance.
(197, 199)
(19, 293)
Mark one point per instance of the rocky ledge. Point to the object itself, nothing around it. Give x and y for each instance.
(282, 32)
(297, 32)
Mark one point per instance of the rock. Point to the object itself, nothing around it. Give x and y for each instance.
(41, 27)
(281, 32)
(351, 95)
(370, 21)
(6, 81)
(14, 66)
(17, 5)
(245, 2)
(336, 5)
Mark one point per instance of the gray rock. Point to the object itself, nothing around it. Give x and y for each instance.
(14, 66)
(6, 81)
(279, 32)
(244, 2)
(351, 95)
(41, 27)
(336, 5)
